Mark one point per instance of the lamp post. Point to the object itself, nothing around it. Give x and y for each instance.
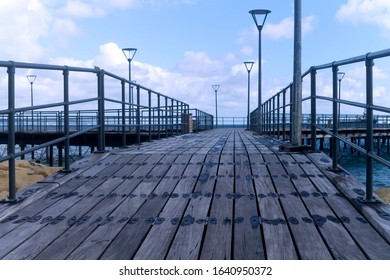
(129, 54)
(259, 17)
(216, 88)
(248, 66)
(31, 79)
(340, 77)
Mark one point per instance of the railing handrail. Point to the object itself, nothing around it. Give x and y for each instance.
(171, 113)
(278, 105)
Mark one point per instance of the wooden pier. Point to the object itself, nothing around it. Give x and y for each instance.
(219, 194)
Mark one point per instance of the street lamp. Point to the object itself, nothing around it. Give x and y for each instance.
(340, 77)
(259, 17)
(216, 88)
(129, 54)
(31, 79)
(248, 66)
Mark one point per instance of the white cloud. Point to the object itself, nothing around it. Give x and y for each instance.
(80, 9)
(110, 55)
(22, 25)
(200, 63)
(366, 11)
(285, 28)
(63, 30)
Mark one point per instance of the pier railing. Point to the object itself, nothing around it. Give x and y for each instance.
(277, 110)
(116, 103)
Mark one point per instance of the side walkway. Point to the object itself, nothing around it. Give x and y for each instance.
(220, 194)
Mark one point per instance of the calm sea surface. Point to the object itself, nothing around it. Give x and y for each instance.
(356, 165)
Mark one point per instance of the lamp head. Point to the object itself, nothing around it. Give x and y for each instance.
(340, 76)
(129, 53)
(216, 87)
(31, 78)
(259, 16)
(249, 65)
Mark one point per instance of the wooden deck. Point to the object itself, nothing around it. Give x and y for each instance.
(221, 194)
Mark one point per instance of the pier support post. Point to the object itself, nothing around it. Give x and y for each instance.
(297, 83)
(369, 139)
(335, 141)
(11, 136)
(101, 129)
(66, 122)
(123, 84)
(313, 111)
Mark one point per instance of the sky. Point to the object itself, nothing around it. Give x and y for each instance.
(186, 46)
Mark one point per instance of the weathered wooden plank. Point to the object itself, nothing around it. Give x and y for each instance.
(217, 244)
(277, 237)
(373, 245)
(34, 208)
(377, 213)
(99, 214)
(247, 235)
(42, 232)
(175, 215)
(337, 238)
(49, 184)
(130, 237)
(308, 240)
(188, 240)
(157, 242)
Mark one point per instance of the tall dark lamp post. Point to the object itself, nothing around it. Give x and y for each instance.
(129, 54)
(340, 77)
(216, 88)
(259, 17)
(248, 66)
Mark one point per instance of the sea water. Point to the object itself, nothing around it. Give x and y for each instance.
(356, 165)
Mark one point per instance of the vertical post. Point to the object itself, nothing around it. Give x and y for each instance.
(32, 111)
(259, 94)
(66, 121)
(313, 110)
(123, 87)
(101, 113)
(177, 116)
(335, 141)
(291, 112)
(297, 81)
(284, 116)
(150, 113)
(216, 110)
(159, 115)
(249, 92)
(11, 135)
(172, 117)
(278, 114)
(273, 117)
(138, 120)
(369, 139)
(166, 116)
(216, 87)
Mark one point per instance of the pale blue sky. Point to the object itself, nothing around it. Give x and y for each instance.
(185, 46)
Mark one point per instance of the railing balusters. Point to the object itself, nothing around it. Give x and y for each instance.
(333, 125)
(75, 123)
